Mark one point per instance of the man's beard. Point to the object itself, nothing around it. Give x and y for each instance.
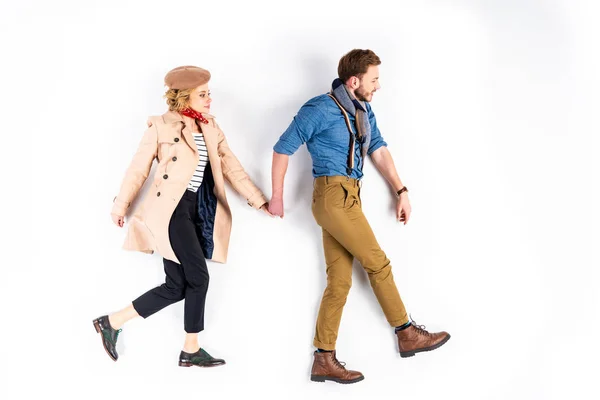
(362, 94)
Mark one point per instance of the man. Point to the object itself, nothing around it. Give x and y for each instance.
(340, 130)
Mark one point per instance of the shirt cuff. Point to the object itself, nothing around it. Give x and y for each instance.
(377, 146)
(284, 148)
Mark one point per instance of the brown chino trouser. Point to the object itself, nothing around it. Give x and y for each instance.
(347, 234)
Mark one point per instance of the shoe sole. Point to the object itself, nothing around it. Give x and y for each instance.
(405, 354)
(320, 378)
(183, 364)
(97, 327)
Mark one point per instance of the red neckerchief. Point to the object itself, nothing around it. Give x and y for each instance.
(188, 112)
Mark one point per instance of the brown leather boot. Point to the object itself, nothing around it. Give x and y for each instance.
(326, 367)
(416, 339)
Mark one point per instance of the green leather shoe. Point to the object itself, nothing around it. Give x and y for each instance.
(200, 359)
(109, 336)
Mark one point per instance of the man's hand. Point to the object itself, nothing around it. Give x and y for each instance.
(276, 207)
(403, 208)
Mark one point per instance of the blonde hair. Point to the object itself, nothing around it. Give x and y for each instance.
(178, 99)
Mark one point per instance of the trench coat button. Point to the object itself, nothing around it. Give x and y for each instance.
(158, 194)
(174, 158)
(176, 139)
(165, 176)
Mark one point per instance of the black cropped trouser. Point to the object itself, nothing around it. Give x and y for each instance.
(188, 280)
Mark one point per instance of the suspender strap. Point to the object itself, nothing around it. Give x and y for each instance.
(350, 164)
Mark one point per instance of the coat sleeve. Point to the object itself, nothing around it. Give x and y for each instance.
(236, 175)
(138, 171)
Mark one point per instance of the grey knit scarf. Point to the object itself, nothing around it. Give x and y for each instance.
(356, 108)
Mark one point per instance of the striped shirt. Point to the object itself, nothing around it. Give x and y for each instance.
(196, 180)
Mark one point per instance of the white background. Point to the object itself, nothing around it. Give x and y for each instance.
(488, 111)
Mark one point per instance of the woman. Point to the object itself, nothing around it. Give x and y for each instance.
(185, 215)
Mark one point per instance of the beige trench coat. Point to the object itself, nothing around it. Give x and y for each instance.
(170, 141)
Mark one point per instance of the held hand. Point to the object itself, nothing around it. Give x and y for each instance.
(119, 220)
(276, 207)
(265, 208)
(403, 208)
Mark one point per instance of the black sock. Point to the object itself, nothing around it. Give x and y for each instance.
(323, 351)
(402, 327)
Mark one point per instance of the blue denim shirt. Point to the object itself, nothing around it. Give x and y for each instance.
(321, 125)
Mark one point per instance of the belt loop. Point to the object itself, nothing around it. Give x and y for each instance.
(327, 180)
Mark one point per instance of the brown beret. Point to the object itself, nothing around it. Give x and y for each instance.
(187, 77)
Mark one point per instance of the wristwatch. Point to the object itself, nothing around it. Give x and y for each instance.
(399, 192)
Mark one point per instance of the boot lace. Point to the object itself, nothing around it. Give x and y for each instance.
(420, 328)
(340, 364)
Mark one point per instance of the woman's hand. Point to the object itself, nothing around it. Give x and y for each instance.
(265, 208)
(119, 220)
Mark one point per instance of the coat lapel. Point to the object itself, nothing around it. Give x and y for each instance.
(188, 124)
(187, 134)
(211, 138)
